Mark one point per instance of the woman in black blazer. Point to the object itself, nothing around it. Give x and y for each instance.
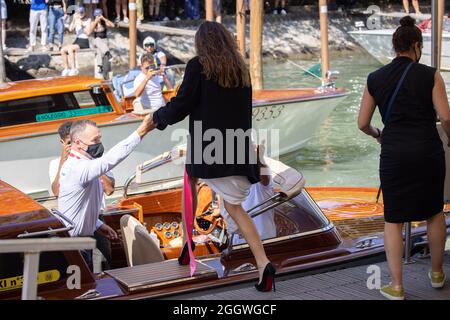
(216, 93)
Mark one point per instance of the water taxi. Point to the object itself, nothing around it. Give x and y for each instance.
(317, 228)
(32, 110)
(379, 44)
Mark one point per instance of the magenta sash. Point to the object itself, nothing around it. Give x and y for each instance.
(188, 219)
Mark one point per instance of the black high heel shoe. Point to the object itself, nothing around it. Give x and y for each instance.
(184, 258)
(268, 279)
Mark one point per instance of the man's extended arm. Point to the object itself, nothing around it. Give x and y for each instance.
(95, 168)
(108, 184)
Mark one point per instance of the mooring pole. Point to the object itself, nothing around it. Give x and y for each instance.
(256, 29)
(132, 34)
(240, 25)
(408, 243)
(441, 8)
(323, 12)
(209, 10)
(2, 58)
(436, 32)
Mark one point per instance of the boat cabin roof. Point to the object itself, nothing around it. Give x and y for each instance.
(45, 86)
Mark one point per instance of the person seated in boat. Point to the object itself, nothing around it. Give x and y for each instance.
(147, 87)
(80, 187)
(167, 78)
(56, 164)
(80, 23)
(107, 181)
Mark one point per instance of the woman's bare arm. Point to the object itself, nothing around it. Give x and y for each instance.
(440, 102)
(365, 115)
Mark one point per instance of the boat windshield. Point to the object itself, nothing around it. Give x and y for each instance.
(297, 217)
(52, 107)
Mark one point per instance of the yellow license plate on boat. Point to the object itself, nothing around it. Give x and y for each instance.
(17, 282)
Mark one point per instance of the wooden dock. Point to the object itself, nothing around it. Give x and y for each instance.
(344, 284)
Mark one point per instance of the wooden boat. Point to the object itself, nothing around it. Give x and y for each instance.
(31, 112)
(379, 44)
(316, 228)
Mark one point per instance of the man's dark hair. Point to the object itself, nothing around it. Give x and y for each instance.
(146, 58)
(64, 129)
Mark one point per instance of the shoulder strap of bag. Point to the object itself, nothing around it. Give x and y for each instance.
(394, 95)
(390, 104)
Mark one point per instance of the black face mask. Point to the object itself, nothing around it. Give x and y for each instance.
(420, 54)
(95, 150)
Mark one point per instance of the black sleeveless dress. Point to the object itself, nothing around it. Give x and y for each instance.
(412, 160)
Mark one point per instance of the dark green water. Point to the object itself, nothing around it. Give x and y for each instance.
(339, 154)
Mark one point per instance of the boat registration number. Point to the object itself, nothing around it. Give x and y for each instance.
(17, 282)
(267, 112)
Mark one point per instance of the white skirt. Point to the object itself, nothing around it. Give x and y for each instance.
(232, 189)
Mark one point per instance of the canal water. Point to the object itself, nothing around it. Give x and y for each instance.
(338, 154)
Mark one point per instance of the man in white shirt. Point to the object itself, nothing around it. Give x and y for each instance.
(147, 86)
(81, 190)
(56, 164)
(103, 245)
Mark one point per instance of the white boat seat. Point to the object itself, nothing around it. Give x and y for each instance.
(139, 246)
(291, 181)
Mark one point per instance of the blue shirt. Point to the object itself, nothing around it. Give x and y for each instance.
(38, 5)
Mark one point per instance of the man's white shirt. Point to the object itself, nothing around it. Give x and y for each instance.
(81, 191)
(151, 97)
(53, 171)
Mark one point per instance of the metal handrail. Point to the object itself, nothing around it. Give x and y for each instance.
(32, 249)
(159, 161)
(70, 225)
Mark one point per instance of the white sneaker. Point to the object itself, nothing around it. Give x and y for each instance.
(138, 22)
(73, 72)
(283, 12)
(65, 73)
(177, 19)
(117, 20)
(166, 19)
(275, 12)
(126, 20)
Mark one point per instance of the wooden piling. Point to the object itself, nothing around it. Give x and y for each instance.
(256, 29)
(132, 12)
(323, 12)
(209, 10)
(240, 25)
(2, 58)
(441, 8)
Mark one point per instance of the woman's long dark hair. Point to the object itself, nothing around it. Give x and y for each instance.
(406, 35)
(219, 56)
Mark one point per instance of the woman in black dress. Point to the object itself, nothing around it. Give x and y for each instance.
(412, 164)
(216, 93)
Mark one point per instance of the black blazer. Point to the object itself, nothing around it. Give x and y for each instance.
(211, 106)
